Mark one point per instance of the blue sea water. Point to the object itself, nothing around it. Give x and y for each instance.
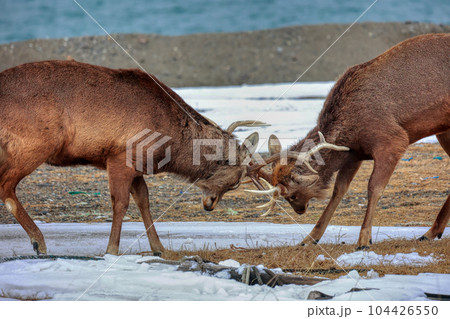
(27, 19)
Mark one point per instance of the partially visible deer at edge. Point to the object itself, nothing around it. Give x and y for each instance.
(374, 112)
(70, 113)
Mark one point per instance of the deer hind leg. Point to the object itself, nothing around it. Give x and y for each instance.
(12, 169)
(139, 191)
(385, 160)
(12, 204)
(343, 180)
(442, 219)
(14, 207)
(120, 180)
(23, 156)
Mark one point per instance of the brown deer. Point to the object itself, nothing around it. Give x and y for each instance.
(69, 113)
(374, 111)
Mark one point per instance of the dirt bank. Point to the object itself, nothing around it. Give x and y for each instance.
(268, 56)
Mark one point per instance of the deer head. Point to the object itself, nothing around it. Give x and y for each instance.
(226, 174)
(292, 176)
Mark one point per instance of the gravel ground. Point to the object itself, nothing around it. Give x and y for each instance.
(214, 59)
(80, 194)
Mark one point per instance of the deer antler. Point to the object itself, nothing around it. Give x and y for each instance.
(274, 190)
(254, 171)
(322, 145)
(212, 122)
(236, 124)
(302, 158)
(255, 174)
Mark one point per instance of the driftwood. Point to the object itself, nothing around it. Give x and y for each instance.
(248, 274)
(51, 257)
(439, 297)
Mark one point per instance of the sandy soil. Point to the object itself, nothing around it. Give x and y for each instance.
(214, 59)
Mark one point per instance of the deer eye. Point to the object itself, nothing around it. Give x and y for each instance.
(292, 198)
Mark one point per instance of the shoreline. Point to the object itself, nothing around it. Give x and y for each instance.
(221, 59)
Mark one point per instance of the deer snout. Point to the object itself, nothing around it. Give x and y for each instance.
(299, 208)
(210, 202)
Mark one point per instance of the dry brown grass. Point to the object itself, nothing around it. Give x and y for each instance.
(302, 260)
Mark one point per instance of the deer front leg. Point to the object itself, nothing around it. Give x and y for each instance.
(120, 179)
(139, 191)
(384, 165)
(343, 180)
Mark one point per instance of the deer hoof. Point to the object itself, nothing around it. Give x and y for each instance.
(423, 238)
(37, 249)
(309, 242)
(157, 254)
(362, 248)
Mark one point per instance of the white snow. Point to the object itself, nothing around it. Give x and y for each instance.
(280, 91)
(124, 279)
(291, 109)
(369, 258)
(230, 263)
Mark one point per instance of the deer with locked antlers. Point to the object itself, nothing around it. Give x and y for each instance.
(69, 113)
(373, 112)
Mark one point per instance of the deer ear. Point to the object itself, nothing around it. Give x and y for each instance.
(249, 145)
(305, 180)
(274, 145)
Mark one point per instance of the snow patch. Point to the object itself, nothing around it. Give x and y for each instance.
(369, 258)
(230, 263)
(127, 279)
(291, 109)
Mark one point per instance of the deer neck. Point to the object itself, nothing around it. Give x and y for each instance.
(188, 157)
